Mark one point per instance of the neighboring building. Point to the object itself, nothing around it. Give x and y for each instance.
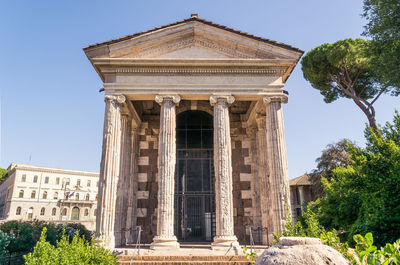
(49, 194)
(300, 194)
(193, 140)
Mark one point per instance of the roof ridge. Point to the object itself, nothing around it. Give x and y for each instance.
(194, 17)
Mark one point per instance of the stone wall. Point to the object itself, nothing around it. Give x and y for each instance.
(242, 177)
(147, 180)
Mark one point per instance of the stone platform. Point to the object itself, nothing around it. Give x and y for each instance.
(187, 254)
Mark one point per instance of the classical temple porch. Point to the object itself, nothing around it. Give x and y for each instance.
(193, 140)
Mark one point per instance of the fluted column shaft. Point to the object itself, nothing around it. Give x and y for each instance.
(225, 237)
(276, 153)
(263, 173)
(166, 183)
(123, 182)
(132, 189)
(109, 170)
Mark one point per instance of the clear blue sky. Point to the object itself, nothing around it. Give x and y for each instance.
(52, 112)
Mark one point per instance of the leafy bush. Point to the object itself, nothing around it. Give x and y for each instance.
(26, 234)
(364, 196)
(75, 251)
(4, 242)
(251, 256)
(366, 253)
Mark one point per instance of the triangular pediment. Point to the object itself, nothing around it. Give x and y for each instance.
(193, 39)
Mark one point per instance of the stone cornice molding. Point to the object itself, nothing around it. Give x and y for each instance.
(275, 98)
(224, 98)
(161, 98)
(197, 70)
(53, 170)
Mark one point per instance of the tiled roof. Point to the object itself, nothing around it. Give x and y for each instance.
(194, 17)
(303, 180)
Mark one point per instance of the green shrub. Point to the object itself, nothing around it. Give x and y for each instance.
(366, 253)
(26, 234)
(4, 242)
(75, 251)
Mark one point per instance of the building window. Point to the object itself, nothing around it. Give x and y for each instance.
(67, 181)
(44, 195)
(55, 197)
(95, 212)
(35, 179)
(30, 213)
(57, 181)
(33, 194)
(87, 196)
(54, 211)
(97, 184)
(78, 182)
(86, 212)
(88, 183)
(46, 180)
(18, 212)
(42, 211)
(21, 194)
(64, 212)
(23, 179)
(77, 196)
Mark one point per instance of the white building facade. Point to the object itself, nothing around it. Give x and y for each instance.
(49, 194)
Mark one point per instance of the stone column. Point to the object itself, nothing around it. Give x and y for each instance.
(131, 233)
(224, 238)
(109, 170)
(264, 182)
(277, 162)
(301, 195)
(165, 237)
(123, 182)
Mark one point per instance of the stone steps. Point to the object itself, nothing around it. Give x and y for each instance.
(184, 260)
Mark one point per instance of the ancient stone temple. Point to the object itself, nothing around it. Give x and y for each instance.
(193, 143)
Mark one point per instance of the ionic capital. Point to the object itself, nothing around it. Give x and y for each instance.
(281, 98)
(221, 98)
(118, 98)
(161, 98)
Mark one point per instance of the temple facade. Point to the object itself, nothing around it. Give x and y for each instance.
(193, 141)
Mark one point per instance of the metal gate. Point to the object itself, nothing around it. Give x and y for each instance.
(194, 178)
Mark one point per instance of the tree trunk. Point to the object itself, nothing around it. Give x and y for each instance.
(369, 112)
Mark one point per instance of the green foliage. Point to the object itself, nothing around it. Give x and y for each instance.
(4, 242)
(344, 69)
(332, 156)
(327, 66)
(66, 251)
(3, 174)
(250, 255)
(366, 253)
(331, 238)
(365, 196)
(26, 234)
(384, 28)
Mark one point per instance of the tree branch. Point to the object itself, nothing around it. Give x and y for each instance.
(377, 96)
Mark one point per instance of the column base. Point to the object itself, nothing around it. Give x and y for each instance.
(226, 243)
(164, 243)
(106, 242)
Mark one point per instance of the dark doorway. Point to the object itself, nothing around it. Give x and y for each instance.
(194, 178)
